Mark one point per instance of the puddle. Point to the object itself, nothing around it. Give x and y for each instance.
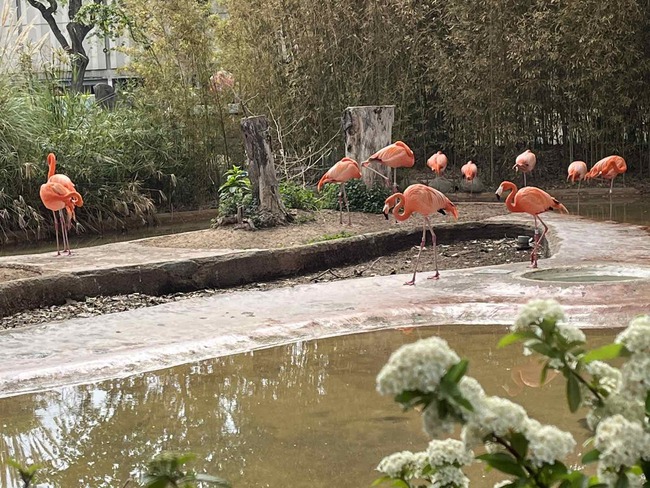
(304, 414)
(594, 274)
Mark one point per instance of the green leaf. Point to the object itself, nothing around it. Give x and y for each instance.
(591, 456)
(513, 337)
(647, 404)
(381, 480)
(609, 351)
(504, 463)
(519, 443)
(457, 371)
(542, 348)
(573, 392)
(622, 481)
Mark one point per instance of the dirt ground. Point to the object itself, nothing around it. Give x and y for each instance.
(325, 225)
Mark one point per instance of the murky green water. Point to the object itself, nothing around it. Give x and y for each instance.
(302, 415)
(602, 208)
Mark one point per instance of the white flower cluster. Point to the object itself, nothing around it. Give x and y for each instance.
(618, 403)
(606, 376)
(449, 452)
(405, 464)
(498, 416)
(546, 443)
(417, 366)
(570, 332)
(448, 477)
(536, 311)
(621, 443)
(636, 338)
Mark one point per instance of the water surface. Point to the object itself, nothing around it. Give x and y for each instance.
(301, 415)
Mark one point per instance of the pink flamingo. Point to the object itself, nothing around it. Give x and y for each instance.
(525, 163)
(438, 163)
(469, 171)
(344, 170)
(533, 201)
(396, 155)
(426, 201)
(607, 168)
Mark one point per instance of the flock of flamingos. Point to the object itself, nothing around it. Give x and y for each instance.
(61, 197)
(426, 201)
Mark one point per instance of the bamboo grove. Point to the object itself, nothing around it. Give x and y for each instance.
(481, 79)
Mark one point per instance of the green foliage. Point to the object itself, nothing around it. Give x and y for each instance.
(26, 473)
(360, 197)
(167, 470)
(298, 197)
(235, 192)
(514, 443)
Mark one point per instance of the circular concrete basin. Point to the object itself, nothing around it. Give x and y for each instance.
(589, 274)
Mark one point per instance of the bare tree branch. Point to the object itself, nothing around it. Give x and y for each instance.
(48, 15)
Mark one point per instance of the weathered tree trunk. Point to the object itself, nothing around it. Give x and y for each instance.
(367, 130)
(261, 170)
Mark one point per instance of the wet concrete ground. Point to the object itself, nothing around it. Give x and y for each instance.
(84, 350)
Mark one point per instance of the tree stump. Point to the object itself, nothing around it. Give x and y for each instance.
(261, 171)
(368, 129)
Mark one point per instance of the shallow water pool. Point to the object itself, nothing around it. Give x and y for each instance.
(301, 415)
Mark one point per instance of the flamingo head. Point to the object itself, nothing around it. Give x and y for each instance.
(451, 208)
(499, 192)
(389, 204)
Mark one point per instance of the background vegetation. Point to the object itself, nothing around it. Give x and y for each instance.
(480, 80)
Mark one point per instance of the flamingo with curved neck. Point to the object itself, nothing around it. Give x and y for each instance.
(426, 201)
(533, 201)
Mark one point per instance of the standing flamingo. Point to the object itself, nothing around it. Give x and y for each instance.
(438, 163)
(396, 155)
(426, 201)
(469, 171)
(525, 163)
(344, 170)
(608, 168)
(57, 197)
(533, 201)
(577, 171)
(64, 221)
(66, 182)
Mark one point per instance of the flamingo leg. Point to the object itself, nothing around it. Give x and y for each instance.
(64, 232)
(394, 180)
(524, 178)
(56, 232)
(611, 185)
(341, 204)
(347, 204)
(435, 250)
(579, 181)
(386, 178)
(417, 260)
(538, 241)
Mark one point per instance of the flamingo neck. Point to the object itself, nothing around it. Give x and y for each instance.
(400, 207)
(510, 200)
(51, 162)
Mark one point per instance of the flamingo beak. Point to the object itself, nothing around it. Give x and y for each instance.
(498, 193)
(386, 211)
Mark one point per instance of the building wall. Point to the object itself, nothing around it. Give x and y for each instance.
(104, 61)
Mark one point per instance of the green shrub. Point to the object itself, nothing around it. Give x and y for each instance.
(360, 197)
(295, 196)
(235, 192)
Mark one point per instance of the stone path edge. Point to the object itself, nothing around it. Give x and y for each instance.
(231, 269)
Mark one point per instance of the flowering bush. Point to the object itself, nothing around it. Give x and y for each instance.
(429, 374)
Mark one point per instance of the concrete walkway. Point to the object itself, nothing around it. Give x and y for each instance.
(85, 350)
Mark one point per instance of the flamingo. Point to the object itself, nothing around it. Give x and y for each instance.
(438, 163)
(396, 155)
(426, 201)
(577, 171)
(66, 182)
(533, 201)
(344, 170)
(57, 197)
(608, 168)
(66, 224)
(469, 171)
(525, 163)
